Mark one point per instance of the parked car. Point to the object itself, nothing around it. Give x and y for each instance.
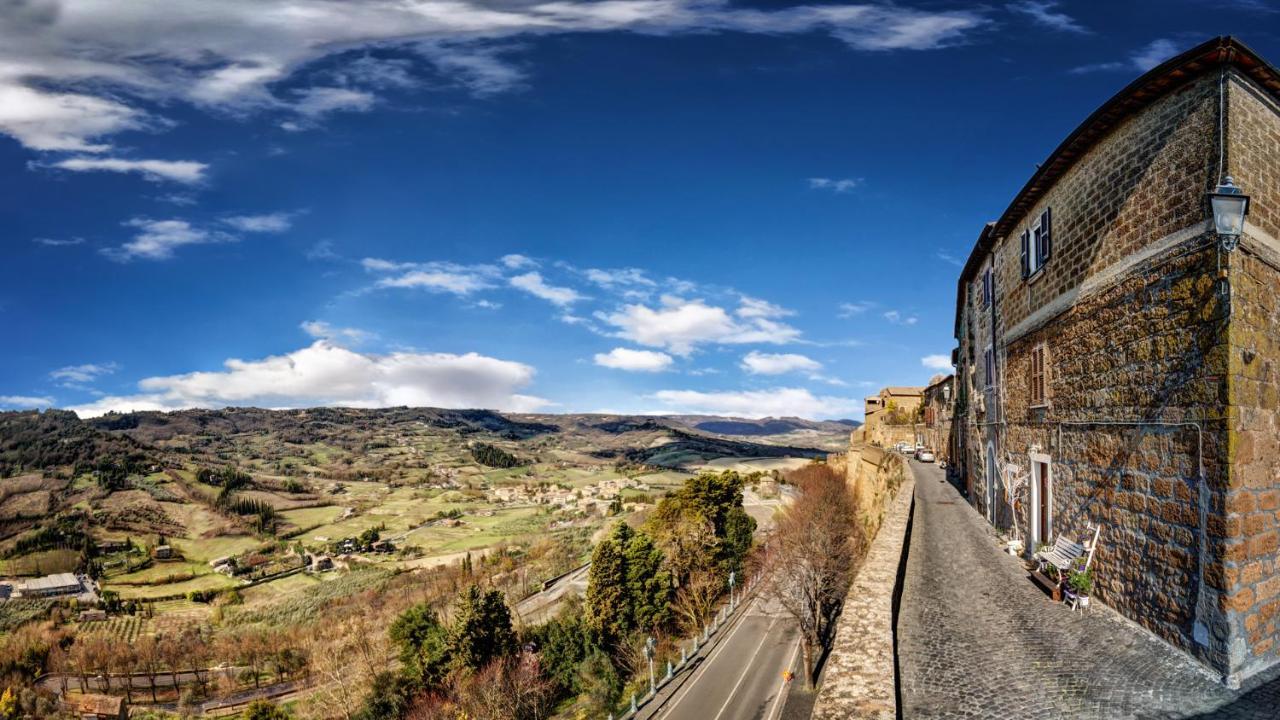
(925, 455)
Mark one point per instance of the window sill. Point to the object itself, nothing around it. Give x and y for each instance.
(1039, 406)
(1039, 273)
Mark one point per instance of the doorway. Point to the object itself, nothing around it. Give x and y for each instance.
(993, 472)
(1041, 499)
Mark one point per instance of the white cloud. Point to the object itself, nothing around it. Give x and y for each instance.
(317, 101)
(60, 121)
(835, 185)
(750, 307)
(183, 171)
(1140, 60)
(936, 362)
(433, 276)
(948, 258)
(898, 318)
(458, 283)
(25, 401)
(680, 325)
(83, 373)
(848, 310)
(516, 261)
(533, 284)
(268, 223)
(758, 363)
(57, 242)
(776, 402)
(1043, 12)
(634, 360)
(326, 374)
(610, 279)
(226, 55)
(157, 239)
(324, 331)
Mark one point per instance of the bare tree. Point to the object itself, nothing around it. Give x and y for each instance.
(147, 651)
(814, 551)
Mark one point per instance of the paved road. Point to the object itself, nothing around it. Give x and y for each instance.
(741, 678)
(541, 607)
(976, 639)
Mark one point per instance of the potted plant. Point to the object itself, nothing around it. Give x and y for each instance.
(1079, 585)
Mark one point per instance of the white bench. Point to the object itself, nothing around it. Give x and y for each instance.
(1063, 553)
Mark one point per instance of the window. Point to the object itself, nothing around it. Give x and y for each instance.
(988, 367)
(988, 287)
(1039, 377)
(1037, 244)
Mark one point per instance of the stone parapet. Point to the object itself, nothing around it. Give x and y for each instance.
(860, 679)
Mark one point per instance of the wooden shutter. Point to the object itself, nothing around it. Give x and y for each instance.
(1046, 236)
(1026, 257)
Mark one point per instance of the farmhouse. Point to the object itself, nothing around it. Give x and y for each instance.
(51, 586)
(1118, 354)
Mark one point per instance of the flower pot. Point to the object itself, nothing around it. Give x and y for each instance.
(1083, 600)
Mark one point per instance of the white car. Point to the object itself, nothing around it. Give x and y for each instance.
(925, 456)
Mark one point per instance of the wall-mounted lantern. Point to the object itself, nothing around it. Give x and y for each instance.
(1230, 205)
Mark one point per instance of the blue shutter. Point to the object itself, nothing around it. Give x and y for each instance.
(1046, 236)
(1026, 256)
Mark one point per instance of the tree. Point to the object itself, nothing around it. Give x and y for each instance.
(813, 553)
(264, 710)
(8, 704)
(509, 688)
(607, 592)
(481, 629)
(563, 643)
(148, 654)
(423, 643)
(648, 583)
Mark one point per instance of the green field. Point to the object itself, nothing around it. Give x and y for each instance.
(160, 571)
(206, 549)
(46, 562)
(215, 581)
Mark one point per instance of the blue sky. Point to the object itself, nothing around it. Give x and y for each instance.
(631, 205)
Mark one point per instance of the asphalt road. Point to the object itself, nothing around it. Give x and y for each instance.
(742, 677)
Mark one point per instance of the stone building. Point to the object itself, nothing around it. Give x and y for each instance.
(935, 426)
(890, 416)
(1117, 366)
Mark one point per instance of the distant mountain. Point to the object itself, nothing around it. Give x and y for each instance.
(763, 426)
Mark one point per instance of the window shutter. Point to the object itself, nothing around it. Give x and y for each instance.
(1026, 242)
(1046, 236)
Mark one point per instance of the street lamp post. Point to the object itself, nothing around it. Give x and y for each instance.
(1230, 206)
(649, 646)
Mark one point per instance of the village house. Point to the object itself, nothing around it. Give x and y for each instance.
(889, 416)
(935, 427)
(1118, 354)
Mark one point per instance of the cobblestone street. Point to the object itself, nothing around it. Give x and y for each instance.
(977, 639)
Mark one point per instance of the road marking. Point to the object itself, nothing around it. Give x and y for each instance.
(702, 669)
(782, 690)
(750, 662)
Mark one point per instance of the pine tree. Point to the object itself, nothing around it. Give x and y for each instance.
(481, 629)
(607, 593)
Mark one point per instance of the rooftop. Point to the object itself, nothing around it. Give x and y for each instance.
(50, 582)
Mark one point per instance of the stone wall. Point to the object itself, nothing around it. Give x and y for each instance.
(1251, 548)
(1147, 351)
(859, 681)
(875, 476)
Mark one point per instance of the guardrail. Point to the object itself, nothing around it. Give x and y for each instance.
(700, 645)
